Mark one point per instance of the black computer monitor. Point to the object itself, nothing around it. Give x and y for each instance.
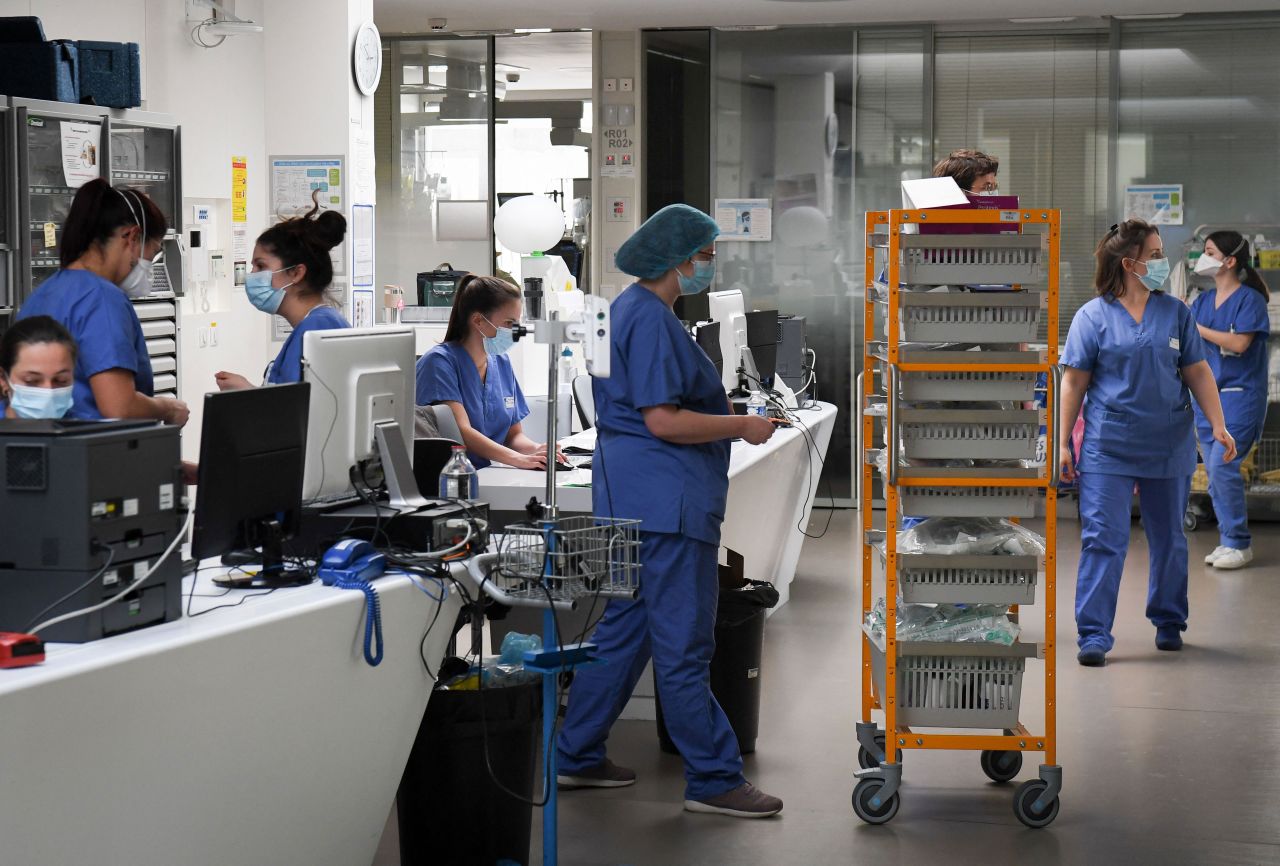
(253, 448)
(693, 308)
(708, 337)
(504, 197)
(762, 340)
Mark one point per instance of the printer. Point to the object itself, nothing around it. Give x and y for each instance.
(75, 496)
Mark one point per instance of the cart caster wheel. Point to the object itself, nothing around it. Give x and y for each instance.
(866, 791)
(1024, 802)
(1001, 766)
(1190, 521)
(865, 759)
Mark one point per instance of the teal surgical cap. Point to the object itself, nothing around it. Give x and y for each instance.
(666, 239)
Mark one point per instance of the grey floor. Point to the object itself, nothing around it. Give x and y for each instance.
(1168, 757)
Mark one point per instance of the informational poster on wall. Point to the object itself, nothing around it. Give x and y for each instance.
(1158, 204)
(362, 245)
(239, 189)
(240, 253)
(296, 179)
(362, 308)
(744, 219)
(80, 145)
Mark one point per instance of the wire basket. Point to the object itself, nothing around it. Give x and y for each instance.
(954, 691)
(569, 558)
(1265, 479)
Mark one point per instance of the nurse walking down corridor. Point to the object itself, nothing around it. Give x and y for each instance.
(1232, 318)
(662, 455)
(1131, 355)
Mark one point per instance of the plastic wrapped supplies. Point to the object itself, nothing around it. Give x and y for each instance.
(946, 623)
(980, 536)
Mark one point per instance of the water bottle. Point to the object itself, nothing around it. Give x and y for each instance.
(458, 479)
(756, 405)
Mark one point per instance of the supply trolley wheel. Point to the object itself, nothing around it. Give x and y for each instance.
(1024, 804)
(867, 761)
(1190, 520)
(866, 791)
(1001, 766)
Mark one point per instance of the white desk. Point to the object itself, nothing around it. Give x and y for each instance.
(254, 734)
(771, 492)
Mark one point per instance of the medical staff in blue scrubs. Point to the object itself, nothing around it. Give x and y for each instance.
(109, 240)
(663, 427)
(1232, 318)
(471, 374)
(1131, 356)
(291, 277)
(37, 369)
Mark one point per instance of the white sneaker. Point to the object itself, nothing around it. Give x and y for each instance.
(1234, 558)
(1217, 552)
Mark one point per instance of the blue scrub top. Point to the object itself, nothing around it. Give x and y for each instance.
(1242, 379)
(106, 329)
(671, 488)
(287, 367)
(1137, 410)
(447, 373)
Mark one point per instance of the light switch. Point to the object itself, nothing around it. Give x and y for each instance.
(626, 85)
(626, 113)
(610, 85)
(626, 159)
(611, 115)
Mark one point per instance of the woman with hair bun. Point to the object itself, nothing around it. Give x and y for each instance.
(292, 273)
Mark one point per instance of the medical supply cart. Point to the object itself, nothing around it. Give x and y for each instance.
(956, 314)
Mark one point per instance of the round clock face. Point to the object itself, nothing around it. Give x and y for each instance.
(366, 58)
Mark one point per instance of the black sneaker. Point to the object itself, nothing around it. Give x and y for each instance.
(1092, 656)
(605, 775)
(744, 801)
(1169, 638)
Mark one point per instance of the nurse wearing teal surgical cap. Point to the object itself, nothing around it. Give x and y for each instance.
(663, 428)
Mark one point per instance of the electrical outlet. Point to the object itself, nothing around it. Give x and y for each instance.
(213, 334)
(610, 85)
(626, 85)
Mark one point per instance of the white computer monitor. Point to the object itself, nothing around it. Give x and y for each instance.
(360, 377)
(728, 309)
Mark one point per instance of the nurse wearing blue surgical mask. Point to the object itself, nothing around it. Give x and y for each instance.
(664, 428)
(471, 374)
(37, 369)
(1232, 318)
(1134, 358)
(291, 277)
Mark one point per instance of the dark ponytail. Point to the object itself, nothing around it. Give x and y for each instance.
(30, 331)
(477, 294)
(306, 240)
(99, 210)
(1235, 245)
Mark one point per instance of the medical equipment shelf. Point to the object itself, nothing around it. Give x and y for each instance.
(952, 347)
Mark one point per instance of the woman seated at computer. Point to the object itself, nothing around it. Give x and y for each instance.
(37, 368)
(470, 373)
(291, 276)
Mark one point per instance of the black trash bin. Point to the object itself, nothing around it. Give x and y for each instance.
(449, 809)
(735, 667)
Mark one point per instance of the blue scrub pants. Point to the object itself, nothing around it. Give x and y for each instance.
(673, 621)
(1226, 484)
(1105, 502)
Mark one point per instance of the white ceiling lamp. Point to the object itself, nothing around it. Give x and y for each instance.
(1149, 16)
(218, 22)
(1063, 19)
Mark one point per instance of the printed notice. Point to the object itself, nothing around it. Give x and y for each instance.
(1158, 204)
(80, 142)
(239, 189)
(295, 179)
(744, 219)
(362, 245)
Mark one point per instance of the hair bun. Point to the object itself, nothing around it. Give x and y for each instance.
(329, 228)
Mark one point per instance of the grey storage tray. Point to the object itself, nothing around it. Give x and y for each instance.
(974, 434)
(925, 385)
(958, 685)
(938, 260)
(915, 353)
(977, 317)
(930, 578)
(968, 501)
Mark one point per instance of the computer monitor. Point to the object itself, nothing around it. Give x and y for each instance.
(692, 309)
(253, 445)
(762, 340)
(360, 378)
(727, 308)
(708, 337)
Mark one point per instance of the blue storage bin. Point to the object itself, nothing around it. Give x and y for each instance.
(109, 74)
(40, 70)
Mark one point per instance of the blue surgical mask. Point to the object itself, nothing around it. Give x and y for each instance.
(703, 274)
(501, 342)
(28, 402)
(262, 294)
(1157, 273)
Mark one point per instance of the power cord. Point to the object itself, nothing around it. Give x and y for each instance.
(111, 555)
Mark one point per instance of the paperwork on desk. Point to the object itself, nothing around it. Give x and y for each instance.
(580, 443)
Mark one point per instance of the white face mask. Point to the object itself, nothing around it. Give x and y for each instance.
(1207, 265)
(138, 282)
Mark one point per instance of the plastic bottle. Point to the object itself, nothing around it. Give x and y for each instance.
(756, 405)
(458, 479)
